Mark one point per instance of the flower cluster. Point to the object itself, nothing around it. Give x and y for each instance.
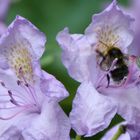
(102, 60)
(29, 96)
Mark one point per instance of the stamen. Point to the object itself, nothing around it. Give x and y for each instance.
(2, 83)
(8, 107)
(10, 93)
(98, 83)
(23, 98)
(19, 100)
(12, 100)
(103, 43)
(18, 82)
(14, 115)
(28, 86)
(108, 45)
(115, 43)
(20, 71)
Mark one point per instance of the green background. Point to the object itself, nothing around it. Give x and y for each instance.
(51, 16)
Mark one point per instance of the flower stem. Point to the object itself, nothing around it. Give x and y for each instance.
(78, 137)
(120, 131)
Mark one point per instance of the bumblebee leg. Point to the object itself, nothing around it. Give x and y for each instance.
(108, 79)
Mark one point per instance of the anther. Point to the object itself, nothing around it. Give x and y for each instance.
(18, 82)
(20, 71)
(12, 100)
(10, 93)
(26, 84)
(2, 83)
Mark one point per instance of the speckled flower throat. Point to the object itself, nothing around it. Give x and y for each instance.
(107, 38)
(19, 58)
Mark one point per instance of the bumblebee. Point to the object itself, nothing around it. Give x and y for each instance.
(120, 69)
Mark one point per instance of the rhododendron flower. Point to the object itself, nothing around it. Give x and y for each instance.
(29, 97)
(99, 96)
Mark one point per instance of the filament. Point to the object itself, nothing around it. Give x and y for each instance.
(104, 76)
(17, 99)
(14, 115)
(27, 85)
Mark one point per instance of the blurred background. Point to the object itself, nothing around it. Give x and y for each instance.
(51, 16)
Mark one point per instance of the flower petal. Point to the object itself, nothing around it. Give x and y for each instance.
(21, 47)
(28, 31)
(52, 123)
(52, 87)
(134, 131)
(12, 133)
(112, 27)
(92, 112)
(76, 51)
(134, 10)
(127, 99)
